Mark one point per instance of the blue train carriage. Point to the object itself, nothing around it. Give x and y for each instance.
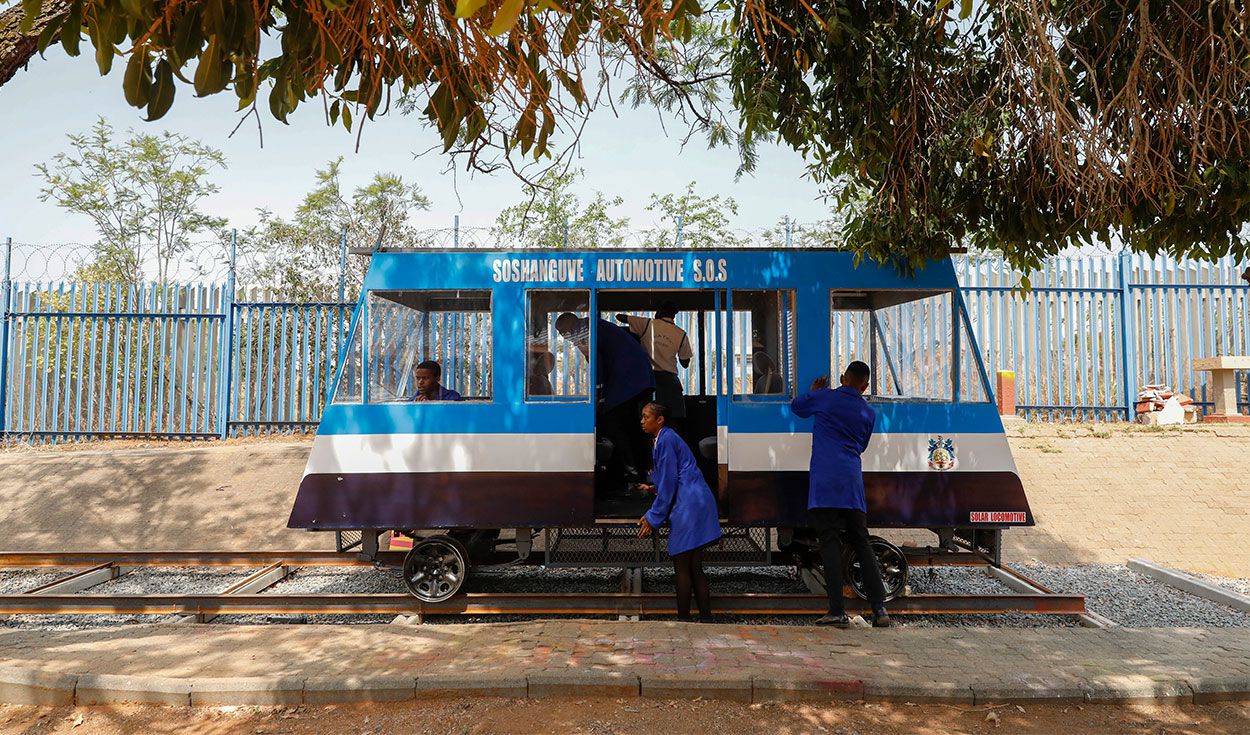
(517, 457)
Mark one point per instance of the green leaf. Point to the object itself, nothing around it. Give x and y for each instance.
(71, 30)
(965, 8)
(208, 72)
(507, 17)
(137, 79)
(468, 8)
(30, 11)
(574, 86)
(162, 94)
(49, 32)
(103, 54)
(347, 118)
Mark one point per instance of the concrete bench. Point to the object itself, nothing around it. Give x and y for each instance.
(1224, 376)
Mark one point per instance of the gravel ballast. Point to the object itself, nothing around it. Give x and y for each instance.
(1114, 591)
(1134, 600)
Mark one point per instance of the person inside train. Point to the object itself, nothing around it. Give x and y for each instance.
(685, 502)
(539, 362)
(766, 379)
(666, 344)
(623, 376)
(428, 374)
(835, 499)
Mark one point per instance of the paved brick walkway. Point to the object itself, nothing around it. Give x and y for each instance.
(291, 664)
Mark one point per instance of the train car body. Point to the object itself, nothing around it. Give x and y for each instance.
(520, 449)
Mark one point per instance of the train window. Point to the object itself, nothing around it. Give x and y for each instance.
(913, 356)
(972, 384)
(850, 331)
(555, 366)
(410, 328)
(351, 380)
(762, 333)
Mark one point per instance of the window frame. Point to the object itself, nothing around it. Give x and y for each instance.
(791, 350)
(585, 398)
(958, 322)
(367, 342)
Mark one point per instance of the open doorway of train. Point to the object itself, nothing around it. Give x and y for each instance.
(617, 492)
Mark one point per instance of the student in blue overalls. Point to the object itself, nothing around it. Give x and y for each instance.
(623, 372)
(685, 502)
(835, 499)
(429, 388)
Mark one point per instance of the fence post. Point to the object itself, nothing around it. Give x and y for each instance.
(679, 230)
(4, 336)
(226, 364)
(1128, 339)
(455, 230)
(342, 265)
(566, 232)
(787, 230)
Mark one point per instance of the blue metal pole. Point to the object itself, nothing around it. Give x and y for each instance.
(679, 230)
(342, 264)
(787, 230)
(1128, 372)
(455, 226)
(4, 334)
(226, 361)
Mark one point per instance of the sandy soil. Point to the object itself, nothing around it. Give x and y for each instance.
(626, 716)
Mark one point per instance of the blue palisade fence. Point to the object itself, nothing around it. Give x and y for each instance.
(213, 359)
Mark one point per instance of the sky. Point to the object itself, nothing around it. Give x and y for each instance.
(628, 156)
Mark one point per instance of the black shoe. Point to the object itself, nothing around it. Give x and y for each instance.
(880, 618)
(706, 619)
(835, 620)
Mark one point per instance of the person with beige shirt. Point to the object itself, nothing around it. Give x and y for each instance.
(666, 344)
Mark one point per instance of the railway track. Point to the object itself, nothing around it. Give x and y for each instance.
(69, 594)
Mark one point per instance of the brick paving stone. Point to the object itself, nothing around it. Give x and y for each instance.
(913, 664)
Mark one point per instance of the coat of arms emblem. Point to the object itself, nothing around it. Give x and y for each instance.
(941, 454)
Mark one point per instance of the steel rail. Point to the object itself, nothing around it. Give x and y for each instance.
(517, 604)
(31, 559)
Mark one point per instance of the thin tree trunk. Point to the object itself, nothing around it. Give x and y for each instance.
(16, 49)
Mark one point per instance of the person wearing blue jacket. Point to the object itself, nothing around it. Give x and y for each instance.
(686, 503)
(835, 498)
(623, 374)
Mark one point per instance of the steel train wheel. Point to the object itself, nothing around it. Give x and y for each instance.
(436, 569)
(890, 561)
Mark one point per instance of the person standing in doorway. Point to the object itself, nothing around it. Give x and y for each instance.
(843, 426)
(685, 502)
(624, 385)
(666, 344)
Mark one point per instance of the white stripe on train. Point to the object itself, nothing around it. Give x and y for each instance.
(760, 452)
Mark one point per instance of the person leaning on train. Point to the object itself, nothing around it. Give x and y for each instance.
(623, 370)
(835, 500)
(685, 502)
(428, 374)
(666, 344)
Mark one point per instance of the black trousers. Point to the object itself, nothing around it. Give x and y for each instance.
(830, 524)
(620, 426)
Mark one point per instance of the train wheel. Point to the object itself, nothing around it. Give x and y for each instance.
(890, 561)
(436, 569)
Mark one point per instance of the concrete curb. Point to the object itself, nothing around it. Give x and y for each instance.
(1191, 584)
(22, 686)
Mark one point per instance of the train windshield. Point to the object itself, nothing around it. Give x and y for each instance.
(915, 342)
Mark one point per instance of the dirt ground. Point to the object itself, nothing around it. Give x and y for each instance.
(626, 716)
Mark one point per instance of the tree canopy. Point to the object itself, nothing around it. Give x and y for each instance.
(1025, 126)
